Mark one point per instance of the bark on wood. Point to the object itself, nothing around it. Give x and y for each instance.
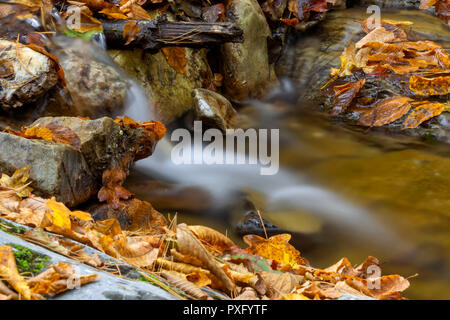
(155, 34)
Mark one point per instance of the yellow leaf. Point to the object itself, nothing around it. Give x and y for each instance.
(9, 273)
(276, 248)
(294, 296)
(17, 181)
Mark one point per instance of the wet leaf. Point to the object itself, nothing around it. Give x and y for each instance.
(130, 31)
(386, 111)
(379, 34)
(176, 58)
(345, 94)
(276, 248)
(17, 182)
(6, 68)
(429, 86)
(114, 13)
(423, 113)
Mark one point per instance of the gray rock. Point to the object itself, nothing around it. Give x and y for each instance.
(95, 88)
(60, 170)
(25, 77)
(246, 69)
(107, 287)
(56, 169)
(214, 110)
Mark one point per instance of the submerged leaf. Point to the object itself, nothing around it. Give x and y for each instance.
(386, 111)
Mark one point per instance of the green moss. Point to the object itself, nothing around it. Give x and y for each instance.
(29, 262)
(11, 228)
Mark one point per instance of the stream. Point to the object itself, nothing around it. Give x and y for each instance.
(341, 190)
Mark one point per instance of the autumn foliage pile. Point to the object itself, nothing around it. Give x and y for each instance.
(420, 68)
(191, 262)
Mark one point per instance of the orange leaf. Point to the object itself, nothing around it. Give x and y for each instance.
(176, 58)
(422, 113)
(386, 111)
(276, 248)
(112, 190)
(345, 95)
(114, 13)
(130, 31)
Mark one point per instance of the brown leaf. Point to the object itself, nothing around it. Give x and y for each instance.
(130, 31)
(9, 273)
(112, 191)
(320, 290)
(379, 34)
(379, 287)
(422, 113)
(114, 13)
(386, 111)
(212, 237)
(429, 86)
(6, 68)
(176, 58)
(278, 284)
(345, 94)
(188, 244)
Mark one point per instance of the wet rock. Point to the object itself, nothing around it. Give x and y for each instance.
(246, 69)
(106, 287)
(62, 171)
(214, 110)
(251, 223)
(94, 88)
(25, 75)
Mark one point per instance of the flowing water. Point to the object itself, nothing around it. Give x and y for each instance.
(340, 191)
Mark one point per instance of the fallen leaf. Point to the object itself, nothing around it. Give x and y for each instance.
(9, 273)
(379, 34)
(185, 285)
(212, 237)
(386, 111)
(276, 248)
(345, 94)
(176, 58)
(429, 86)
(18, 182)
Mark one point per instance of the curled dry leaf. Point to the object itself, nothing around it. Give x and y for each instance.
(212, 237)
(200, 279)
(188, 244)
(185, 285)
(423, 113)
(386, 111)
(276, 248)
(112, 191)
(320, 290)
(379, 287)
(179, 267)
(9, 273)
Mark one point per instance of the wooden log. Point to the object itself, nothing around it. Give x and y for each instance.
(154, 34)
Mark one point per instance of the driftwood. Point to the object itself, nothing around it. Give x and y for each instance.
(154, 34)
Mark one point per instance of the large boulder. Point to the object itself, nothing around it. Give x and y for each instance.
(25, 75)
(71, 175)
(246, 69)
